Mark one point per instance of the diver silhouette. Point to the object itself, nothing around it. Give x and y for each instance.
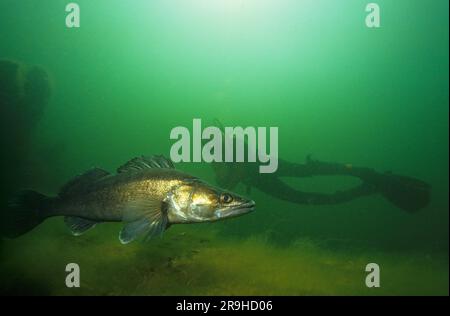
(407, 193)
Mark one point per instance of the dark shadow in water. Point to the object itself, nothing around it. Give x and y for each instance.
(24, 93)
(14, 283)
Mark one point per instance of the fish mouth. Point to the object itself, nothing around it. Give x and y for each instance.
(237, 210)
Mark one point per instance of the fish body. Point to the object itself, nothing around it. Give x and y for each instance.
(109, 198)
(147, 193)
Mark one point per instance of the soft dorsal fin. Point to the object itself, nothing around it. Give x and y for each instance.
(146, 162)
(82, 182)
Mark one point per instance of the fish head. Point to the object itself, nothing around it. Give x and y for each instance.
(197, 201)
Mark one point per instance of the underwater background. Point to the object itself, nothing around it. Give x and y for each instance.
(336, 90)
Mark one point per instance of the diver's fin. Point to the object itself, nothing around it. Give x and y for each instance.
(77, 225)
(81, 183)
(24, 212)
(143, 217)
(143, 162)
(407, 193)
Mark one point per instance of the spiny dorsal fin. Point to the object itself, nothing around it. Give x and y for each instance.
(81, 183)
(146, 162)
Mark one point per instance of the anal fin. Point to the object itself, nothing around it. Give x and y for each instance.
(77, 225)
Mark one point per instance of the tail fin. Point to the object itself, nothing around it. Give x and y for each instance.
(23, 213)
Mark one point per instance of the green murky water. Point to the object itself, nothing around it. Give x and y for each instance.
(335, 89)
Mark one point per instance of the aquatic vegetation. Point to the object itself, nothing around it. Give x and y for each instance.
(192, 262)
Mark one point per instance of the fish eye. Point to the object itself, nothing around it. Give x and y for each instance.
(226, 198)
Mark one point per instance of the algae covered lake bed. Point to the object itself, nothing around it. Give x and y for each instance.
(189, 262)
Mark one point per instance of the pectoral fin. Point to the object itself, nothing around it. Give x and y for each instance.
(145, 217)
